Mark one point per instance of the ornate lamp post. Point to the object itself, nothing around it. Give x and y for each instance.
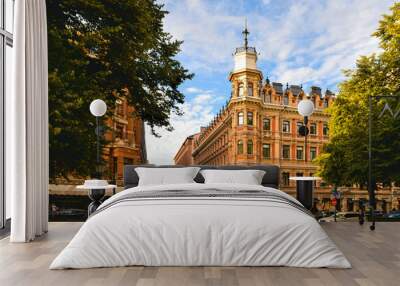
(304, 184)
(305, 108)
(98, 108)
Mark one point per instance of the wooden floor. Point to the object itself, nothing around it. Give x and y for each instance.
(375, 257)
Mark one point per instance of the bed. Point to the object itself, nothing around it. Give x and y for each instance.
(201, 224)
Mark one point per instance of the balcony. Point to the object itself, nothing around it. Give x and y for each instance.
(244, 49)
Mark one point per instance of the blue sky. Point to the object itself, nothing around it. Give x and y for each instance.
(305, 42)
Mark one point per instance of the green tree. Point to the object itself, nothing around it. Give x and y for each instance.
(104, 49)
(344, 159)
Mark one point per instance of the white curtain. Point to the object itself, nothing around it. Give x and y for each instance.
(27, 124)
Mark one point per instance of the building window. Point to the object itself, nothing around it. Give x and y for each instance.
(313, 153)
(267, 124)
(120, 108)
(240, 118)
(286, 151)
(240, 91)
(313, 128)
(313, 100)
(299, 174)
(299, 124)
(240, 147)
(250, 147)
(326, 102)
(286, 126)
(119, 131)
(299, 153)
(285, 99)
(325, 129)
(266, 151)
(250, 89)
(285, 178)
(249, 118)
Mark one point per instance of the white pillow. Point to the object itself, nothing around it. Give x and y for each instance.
(166, 176)
(248, 177)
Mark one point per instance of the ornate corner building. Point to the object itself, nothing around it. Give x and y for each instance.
(127, 140)
(259, 125)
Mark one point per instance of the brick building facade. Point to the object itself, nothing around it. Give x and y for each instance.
(184, 154)
(127, 140)
(259, 125)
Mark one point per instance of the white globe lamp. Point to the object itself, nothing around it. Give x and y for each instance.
(98, 108)
(305, 107)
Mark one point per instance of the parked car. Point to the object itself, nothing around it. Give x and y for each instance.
(393, 214)
(341, 216)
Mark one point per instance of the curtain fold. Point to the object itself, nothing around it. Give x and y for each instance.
(27, 123)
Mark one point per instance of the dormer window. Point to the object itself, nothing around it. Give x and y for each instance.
(267, 97)
(250, 89)
(241, 90)
(326, 102)
(285, 99)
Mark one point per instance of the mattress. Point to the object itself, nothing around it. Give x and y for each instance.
(201, 225)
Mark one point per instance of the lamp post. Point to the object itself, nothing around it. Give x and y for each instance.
(305, 108)
(305, 184)
(98, 108)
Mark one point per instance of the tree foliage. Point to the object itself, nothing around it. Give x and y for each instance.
(344, 160)
(103, 49)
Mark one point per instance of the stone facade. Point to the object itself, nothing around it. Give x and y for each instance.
(259, 125)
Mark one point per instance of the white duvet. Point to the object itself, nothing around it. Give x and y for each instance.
(200, 231)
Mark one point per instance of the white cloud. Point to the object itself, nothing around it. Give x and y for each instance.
(298, 33)
(304, 41)
(197, 112)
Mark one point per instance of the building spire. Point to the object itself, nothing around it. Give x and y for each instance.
(245, 34)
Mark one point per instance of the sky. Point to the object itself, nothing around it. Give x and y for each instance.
(306, 42)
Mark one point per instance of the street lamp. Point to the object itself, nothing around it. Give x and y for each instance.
(305, 108)
(98, 108)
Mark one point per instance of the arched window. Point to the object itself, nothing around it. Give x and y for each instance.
(240, 118)
(240, 147)
(240, 90)
(285, 99)
(266, 124)
(250, 147)
(249, 118)
(250, 89)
